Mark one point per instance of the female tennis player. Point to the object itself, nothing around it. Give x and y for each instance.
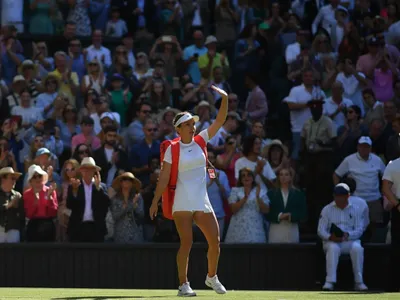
(191, 199)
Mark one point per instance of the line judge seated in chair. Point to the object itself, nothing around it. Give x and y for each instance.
(340, 227)
(88, 201)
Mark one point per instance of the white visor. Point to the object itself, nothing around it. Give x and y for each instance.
(186, 117)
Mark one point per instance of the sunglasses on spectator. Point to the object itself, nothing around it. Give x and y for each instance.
(37, 176)
(69, 170)
(152, 129)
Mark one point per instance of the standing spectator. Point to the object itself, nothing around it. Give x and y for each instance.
(171, 19)
(391, 190)
(227, 160)
(288, 207)
(208, 61)
(127, 209)
(111, 159)
(87, 136)
(365, 168)
(45, 100)
(40, 21)
(326, 16)
(256, 103)
(297, 101)
(78, 14)
(10, 59)
(134, 132)
(95, 79)
(12, 215)
(143, 151)
(69, 80)
(263, 174)
(41, 205)
(248, 204)
(120, 99)
(115, 26)
(88, 201)
(340, 228)
(97, 51)
(225, 22)
(191, 56)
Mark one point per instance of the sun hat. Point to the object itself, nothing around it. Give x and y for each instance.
(204, 103)
(27, 63)
(9, 171)
(88, 162)
(35, 169)
(341, 189)
(117, 181)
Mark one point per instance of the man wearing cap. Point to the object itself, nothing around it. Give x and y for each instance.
(391, 190)
(12, 215)
(88, 201)
(109, 119)
(208, 61)
(366, 169)
(87, 136)
(340, 227)
(318, 140)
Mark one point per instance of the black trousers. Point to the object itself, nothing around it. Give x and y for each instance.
(395, 251)
(41, 230)
(87, 233)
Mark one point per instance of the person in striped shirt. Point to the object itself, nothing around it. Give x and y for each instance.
(340, 227)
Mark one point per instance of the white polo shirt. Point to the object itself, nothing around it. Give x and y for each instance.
(330, 108)
(300, 95)
(392, 174)
(365, 173)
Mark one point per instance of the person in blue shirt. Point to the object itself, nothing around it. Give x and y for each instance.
(191, 54)
(10, 60)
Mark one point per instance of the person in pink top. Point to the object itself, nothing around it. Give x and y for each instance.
(87, 136)
(384, 75)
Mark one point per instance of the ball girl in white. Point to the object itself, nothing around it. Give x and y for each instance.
(191, 201)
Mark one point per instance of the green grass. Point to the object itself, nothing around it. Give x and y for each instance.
(98, 294)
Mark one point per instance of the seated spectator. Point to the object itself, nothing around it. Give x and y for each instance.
(109, 119)
(30, 71)
(288, 207)
(127, 209)
(40, 204)
(340, 227)
(165, 123)
(11, 134)
(248, 204)
(18, 85)
(69, 127)
(159, 97)
(30, 114)
(42, 59)
(87, 136)
(230, 126)
(12, 214)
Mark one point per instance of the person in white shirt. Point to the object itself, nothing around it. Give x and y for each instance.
(391, 190)
(326, 16)
(297, 101)
(365, 168)
(252, 160)
(97, 51)
(293, 50)
(340, 227)
(336, 106)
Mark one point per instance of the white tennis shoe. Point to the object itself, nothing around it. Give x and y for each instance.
(214, 283)
(186, 291)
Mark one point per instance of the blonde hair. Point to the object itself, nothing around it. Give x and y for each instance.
(291, 172)
(75, 165)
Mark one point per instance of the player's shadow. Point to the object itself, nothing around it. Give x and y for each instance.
(108, 297)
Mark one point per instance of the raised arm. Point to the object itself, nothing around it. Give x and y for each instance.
(222, 113)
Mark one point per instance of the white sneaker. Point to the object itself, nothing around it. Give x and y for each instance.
(328, 286)
(360, 287)
(214, 283)
(186, 291)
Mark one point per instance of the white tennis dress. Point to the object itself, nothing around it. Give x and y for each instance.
(191, 187)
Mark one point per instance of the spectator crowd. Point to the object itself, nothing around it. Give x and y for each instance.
(89, 89)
